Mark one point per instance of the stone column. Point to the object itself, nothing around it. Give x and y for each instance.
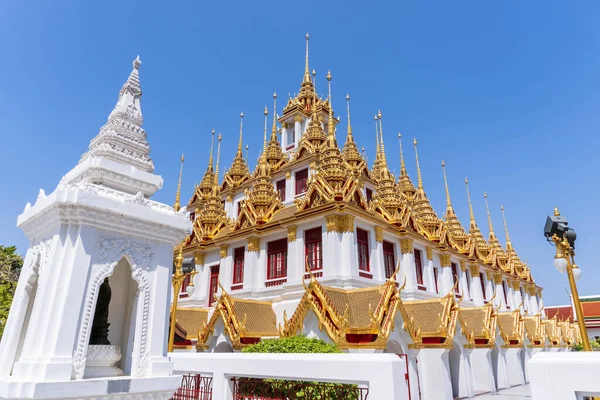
(407, 264)
(447, 282)
(465, 376)
(530, 352)
(339, 228)
(413, 372)
(284, 142)
(517, 299)
(428, 270)
(434, 374)
(298, 127)
(256, 269)
(514, 370)
(296, 264)
(482, 370)
(497, 278)
(377, 262)
(501, 366)
(476, 292)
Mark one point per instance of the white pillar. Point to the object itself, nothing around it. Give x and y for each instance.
(434, 374)
(298, 128)
(476, 292)
(428, 267)
(447, 281)
(256, 258)
(501, 368)
(349, 259)
(413, 372)
(514, 370)
(482, 370)
(407, 264)
(296, 264)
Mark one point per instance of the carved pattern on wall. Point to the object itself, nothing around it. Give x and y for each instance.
(199, 258)
(292, 233)
(429, 253)
(139, 256)
(445, 260)
(253, 244)
(339, 223)
(378, 234)
(406, 246)
(224, 250)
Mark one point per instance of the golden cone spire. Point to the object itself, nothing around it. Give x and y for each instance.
(216, 184)
(419, 180)
(471, 215)
(306, 69)
(382, 148)
(350, 152)
(402, 166)
(508, 243)
(238, 173)
(487, 208)
(376, 169)
(274, 128)
(330, 126)
(448, 202)
(458, 237)
(210, 158)
(493, 240)
(266, 113)
(480, 243)
(349, 137)
(177, 205)
(404, 183)
(422, 207)
(239, 153)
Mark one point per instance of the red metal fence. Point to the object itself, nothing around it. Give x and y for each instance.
(194, 387)
(270, 389)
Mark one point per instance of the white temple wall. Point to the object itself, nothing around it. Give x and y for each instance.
(310, 327)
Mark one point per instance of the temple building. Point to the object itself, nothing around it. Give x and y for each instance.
(316, 241)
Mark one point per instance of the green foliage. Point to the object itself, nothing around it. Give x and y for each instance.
(10, 268)
(594, 343)
(294, 344)
(276, 389)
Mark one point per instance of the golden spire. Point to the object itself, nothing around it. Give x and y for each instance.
(505, 227)
(266, 113)
(404, 183)
(177, 205)
(330, 130)
(210, 159)
(306, 69)
(216, 184)
(247, 147)
(377, 148)
(349, 137)
(492, 234)
(420, 181)
(382, 148)
(471, 215)
(402, 166)
(274, 128)
(239, 153)
(448, 202)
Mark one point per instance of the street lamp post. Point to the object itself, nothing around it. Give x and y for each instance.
(177, 280)
(557, 231)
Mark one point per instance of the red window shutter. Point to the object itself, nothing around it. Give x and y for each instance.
(277, 259)
(389, 258)
(281, 189)
(313, 248)
(369, 194)
(238, 265)
(455, 277)
(301, 179)
(482, 280)
(362, 240)
(418, 266)
(435, 278)
(214, 283)
(505, 290)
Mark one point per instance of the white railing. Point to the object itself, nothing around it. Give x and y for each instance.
(382, 373)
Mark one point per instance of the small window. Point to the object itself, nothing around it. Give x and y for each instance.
(277, 259)
(369, 194)
(239, 207)
(482, 281)
(313, 247)
(192, 216)
(291, 137)
(505, 290)
(362, 240)
(455, 278)
(214, 283)
(389, 258)
(301, 181)
(435, 278)
(238, 265)
(281, 189)
(419, 269)
(468, 279)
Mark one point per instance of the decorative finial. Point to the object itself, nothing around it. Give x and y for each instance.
(448, 202)
(488, 213)
(349, 137)
(330, 130)
(306, 70)
(471, 215)
(177, 205)
(247, 147)
(505, 227)
(380, 118)
(239, 153)
(179, 261)
(210, 159)
(137, 62)
(266, 114)
(274, 128)
(556, 213)
(216, 184)
(420, 181)
(402, 167)
(377, 147)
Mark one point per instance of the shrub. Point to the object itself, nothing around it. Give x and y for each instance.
(294, 344)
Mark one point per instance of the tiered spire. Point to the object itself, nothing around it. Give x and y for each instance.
(238, 173)
(456, 232)
(422, 207)
(315, 134)
(405, 185)
(274, 154)
(479, 241)
(495, 245)
(122, 139)
(376, 169)
(177, 205)
(306, 100)
(350, 152)
(517, 265)
(204, 189)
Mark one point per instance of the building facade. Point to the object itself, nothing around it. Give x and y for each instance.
(315, 241)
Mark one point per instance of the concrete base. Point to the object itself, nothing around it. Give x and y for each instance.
(564, 376)
(118, 388)
(530, 352)
(501, 369)
(434, 374)
(514, 370)
(482, 371)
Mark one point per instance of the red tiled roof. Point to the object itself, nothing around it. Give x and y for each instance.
(563, 313)
(591, 309)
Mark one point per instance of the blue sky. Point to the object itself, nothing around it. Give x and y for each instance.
(507, 92)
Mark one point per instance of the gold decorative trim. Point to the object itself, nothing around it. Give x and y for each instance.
(292, 233)
(288, 174)
(514, 284)
(284, 125)
(429, 253)
(489, 275)
(445, 260)
(199, 258)
(497, 278)
(298, 118)
(340, 223)
(474, 268)
(224, 250)
(463, 265)
(538, 291)
(406, 245)
(253, 244)
(530, 290)
(378, 234)
(230, 198)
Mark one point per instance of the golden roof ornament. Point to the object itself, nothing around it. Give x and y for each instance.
(204, 189)
(405, 185)
(422, 207)
(350, 152)
(497, 251)
(376, 168)
(177, 205)
(517, 266)
(456, 233)
(274, 154)
(480, 245)
(315, 136)
(238, 173)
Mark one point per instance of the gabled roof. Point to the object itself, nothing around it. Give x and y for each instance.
(432, 322)
(191, 320)
(535, 331)
(553, 332)
(512, 328)
(478, 325)
(245, 321)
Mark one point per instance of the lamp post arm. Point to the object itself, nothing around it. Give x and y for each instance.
(578, 308)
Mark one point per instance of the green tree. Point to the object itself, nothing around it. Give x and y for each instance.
(277, 389)
(10, 268)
